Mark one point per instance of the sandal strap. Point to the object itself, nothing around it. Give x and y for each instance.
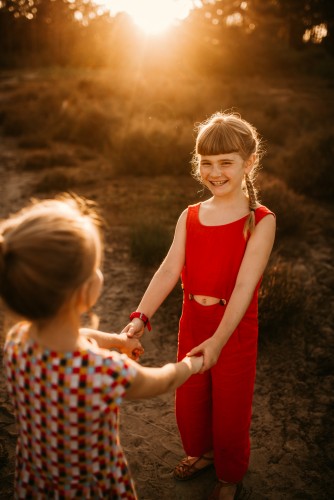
(184, 467)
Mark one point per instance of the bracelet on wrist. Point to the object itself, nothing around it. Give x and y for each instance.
(143, 317)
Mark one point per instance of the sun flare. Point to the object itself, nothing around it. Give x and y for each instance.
(151, 16)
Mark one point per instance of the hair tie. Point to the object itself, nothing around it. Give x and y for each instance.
(252, 209)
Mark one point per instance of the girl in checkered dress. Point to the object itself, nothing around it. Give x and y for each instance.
(65, 383)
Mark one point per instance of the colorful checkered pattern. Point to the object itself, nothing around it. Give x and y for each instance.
(67, 410)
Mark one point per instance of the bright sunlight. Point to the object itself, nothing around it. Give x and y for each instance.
(151, 16)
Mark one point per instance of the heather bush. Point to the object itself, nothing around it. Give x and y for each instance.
(55, 181)
(282, 299)
(309, 166)
(44, 160)
(292, 212)
(149, 243)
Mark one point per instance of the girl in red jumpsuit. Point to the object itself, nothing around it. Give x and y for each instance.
(220, 248)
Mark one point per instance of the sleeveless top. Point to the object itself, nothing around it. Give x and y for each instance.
(213, 254)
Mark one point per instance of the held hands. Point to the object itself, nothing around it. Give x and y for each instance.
(195, 363)
(210, 350)
(130, 346)
(135, 329)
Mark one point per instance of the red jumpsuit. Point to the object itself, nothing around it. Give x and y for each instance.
(213, 410)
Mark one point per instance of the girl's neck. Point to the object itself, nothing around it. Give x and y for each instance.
(60, 333)
(237, 203)
(218, 211)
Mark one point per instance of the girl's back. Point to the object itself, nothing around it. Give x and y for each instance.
(66, 405)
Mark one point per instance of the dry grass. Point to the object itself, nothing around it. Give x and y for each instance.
(143, 123)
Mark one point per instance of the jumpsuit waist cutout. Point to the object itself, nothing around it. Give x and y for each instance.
(205, 300)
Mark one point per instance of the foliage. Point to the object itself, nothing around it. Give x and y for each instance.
(149, 243)
(282, 299)
(292, 211)
(42, 160)
(75, 32)
(310, 165)
(55, 181)
(145, 126)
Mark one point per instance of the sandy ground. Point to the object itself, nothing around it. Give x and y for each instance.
(292, 446)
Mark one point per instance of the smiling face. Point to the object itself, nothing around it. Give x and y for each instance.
(223, 174)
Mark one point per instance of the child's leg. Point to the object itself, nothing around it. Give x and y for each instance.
(233, 385)
(194, 398)
(194, 416)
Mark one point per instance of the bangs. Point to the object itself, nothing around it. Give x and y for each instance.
(217, 140)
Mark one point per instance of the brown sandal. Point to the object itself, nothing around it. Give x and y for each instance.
(222, 484)
(185, 470)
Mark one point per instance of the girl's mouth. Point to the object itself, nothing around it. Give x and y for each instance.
(217, 183)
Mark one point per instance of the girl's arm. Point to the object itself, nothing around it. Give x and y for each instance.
(252, 267)
(163, 281)
(150, 382)
(120, 341)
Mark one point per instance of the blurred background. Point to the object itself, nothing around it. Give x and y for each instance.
(102, 98)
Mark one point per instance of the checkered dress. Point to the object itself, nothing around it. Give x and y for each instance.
(67, 410)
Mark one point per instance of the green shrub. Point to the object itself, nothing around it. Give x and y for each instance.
(282, 299)
(38, 141)
(15, 123)
(90, 126)
(292, 212)
(37, 161)
(309, 167)
(43, 160)
(55, 181)
(149, 243)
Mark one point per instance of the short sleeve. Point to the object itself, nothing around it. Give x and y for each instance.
(118, 375)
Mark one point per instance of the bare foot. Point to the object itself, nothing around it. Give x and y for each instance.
(202, 461)
(227, 491)
(224, 491)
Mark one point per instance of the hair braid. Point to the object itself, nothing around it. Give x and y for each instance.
(253, 203)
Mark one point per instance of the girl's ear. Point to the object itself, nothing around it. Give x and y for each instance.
(89, 292)
(250, 163)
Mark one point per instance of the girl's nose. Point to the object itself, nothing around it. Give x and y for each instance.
(216, 171)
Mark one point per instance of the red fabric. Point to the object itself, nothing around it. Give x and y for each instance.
(213, 410)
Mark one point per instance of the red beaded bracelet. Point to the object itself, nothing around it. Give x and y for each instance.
(143, 317)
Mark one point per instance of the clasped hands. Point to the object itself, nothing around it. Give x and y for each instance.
(210, 349)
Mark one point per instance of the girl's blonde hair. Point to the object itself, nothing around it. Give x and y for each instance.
(225, 133)
(47, 251)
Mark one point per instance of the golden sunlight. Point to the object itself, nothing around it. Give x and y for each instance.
(151, 16)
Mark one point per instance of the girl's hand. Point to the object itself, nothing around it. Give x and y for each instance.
(135, 329)
(195, 363)
(210, 350)
(130, 346)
